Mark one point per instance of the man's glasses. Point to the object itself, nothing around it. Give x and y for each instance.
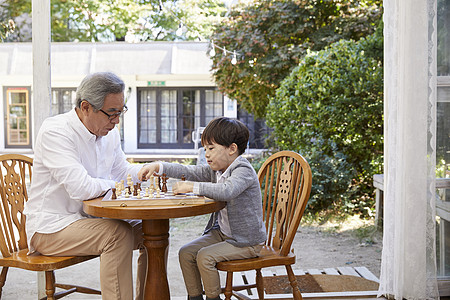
(115, 115)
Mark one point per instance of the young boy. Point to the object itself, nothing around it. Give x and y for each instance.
(235, 232)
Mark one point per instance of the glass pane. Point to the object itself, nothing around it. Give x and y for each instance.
(213, 104)
(191, 99)
(55, 95)
(16, 97)
(168, 136)
(442, 134)
(55, 106)
(22, 122)
(17, 111)
(209, 109)
(169, 116)
(13, 122)
(147, 119)
(69, 100)
(23, 137)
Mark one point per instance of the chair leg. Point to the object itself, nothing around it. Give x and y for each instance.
(3, 279)
(259, 284)
(295, 290)
(229, 286)
(50, 285)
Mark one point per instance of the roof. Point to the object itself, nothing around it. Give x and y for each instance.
(118, 57)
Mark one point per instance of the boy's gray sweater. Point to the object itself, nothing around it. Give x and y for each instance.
(240, 190)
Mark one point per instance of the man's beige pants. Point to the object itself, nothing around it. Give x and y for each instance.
(114, 241)
(198, 261)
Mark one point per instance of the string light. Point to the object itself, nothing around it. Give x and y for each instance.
(179, 31)
(212, 52)
(234, 60)
(226, 52)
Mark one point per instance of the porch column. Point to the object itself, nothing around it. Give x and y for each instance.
(41, 89)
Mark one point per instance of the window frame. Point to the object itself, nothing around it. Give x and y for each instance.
(7, 90)
(180, 144)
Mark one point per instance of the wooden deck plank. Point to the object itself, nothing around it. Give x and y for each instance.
(331, 271)
(365, 273)
(267, 272)
(281, 271)
(238, 279)
(334, 295)
(299, 272)
(314, 271)
(348, 271)
(251, 278)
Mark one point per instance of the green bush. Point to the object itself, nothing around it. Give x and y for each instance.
(329, 109)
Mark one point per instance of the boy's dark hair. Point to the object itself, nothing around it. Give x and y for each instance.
(225, 131)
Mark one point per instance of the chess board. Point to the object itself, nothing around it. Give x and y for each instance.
(163, 199)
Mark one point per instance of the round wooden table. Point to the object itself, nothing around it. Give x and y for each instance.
(155, 228)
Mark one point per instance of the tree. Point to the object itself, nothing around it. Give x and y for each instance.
(330, 110)
(15, 23)
(136, 20)
(271, 37)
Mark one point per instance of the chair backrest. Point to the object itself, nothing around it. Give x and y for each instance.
(15, 174)
(285, 179)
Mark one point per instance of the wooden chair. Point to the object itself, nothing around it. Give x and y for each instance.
(285, 179)
(15, 174)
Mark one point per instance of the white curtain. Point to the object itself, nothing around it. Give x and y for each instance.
(408, 267)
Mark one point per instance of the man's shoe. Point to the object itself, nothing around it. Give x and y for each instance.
(199, 297)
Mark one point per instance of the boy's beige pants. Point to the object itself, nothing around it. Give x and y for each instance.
(114, 241)
(198, 261)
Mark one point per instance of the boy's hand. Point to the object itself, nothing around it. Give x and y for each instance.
(148, 170)
(180, 187)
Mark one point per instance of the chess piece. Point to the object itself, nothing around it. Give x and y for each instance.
(138, 196)
(151, 193)
(158, 195)
(159, 182)
(164, 183)
(126, 194)
(135, 190)
(146, 193)
(114, 196)
(152, 182)
(183, 178)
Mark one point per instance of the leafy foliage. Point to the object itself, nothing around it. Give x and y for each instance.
(138, 20)
(11, 21)
(271, 37)
(329, 109)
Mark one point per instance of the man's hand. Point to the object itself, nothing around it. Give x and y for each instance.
(180, 187)
(148, 170)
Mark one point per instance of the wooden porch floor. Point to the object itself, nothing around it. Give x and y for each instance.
(338, 278)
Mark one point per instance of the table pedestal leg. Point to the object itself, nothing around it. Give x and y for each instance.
(156, 241)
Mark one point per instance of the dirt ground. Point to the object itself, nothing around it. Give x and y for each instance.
(352, 243)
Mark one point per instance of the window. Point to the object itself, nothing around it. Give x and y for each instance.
(17, 108)
(63, 100)
(168, 116)
(257, 127)
(443, 137)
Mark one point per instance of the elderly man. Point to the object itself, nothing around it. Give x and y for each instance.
(77, 157)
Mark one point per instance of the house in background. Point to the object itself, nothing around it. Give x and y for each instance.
(170, 94)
